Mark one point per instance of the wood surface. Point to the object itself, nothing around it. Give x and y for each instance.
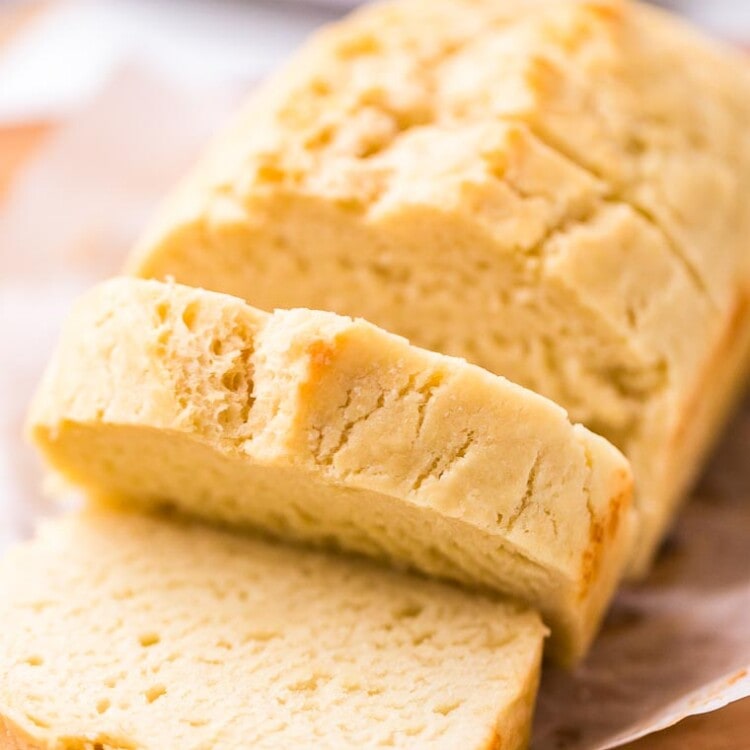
(726, 729)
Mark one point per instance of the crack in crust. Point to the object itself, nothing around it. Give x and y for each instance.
(426, 391)
(528, 493)
(443, 464)
(349, 427)
(613, 196)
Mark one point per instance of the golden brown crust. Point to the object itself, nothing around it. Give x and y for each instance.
(720, 384)
(12, 737)
(602, 532)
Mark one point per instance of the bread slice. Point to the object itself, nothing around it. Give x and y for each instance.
(556, 190)
(330, 430)
(126, 632)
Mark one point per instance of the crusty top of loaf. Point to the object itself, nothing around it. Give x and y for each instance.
(122, 631)
(410, 100)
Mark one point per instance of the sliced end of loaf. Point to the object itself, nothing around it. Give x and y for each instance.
(132, 632)
(329, 430)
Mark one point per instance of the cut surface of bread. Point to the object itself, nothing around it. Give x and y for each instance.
(556, 190)
(328, 430)
(126, 632)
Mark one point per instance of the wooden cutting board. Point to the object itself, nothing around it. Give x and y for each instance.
(727, 729)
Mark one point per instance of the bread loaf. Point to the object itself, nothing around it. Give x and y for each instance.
(329, 430)
(557, 190)
(121, 631)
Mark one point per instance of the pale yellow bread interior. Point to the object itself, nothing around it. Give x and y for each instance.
(122, 632)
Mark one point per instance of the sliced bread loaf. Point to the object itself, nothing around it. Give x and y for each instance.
(556, 190)
(329, 430)
(122, 632)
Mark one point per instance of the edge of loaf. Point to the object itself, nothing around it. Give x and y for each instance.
(328, 430)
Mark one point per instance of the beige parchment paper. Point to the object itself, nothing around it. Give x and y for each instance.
(677, 644)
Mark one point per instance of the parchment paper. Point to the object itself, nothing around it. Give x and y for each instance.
(676, 645)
